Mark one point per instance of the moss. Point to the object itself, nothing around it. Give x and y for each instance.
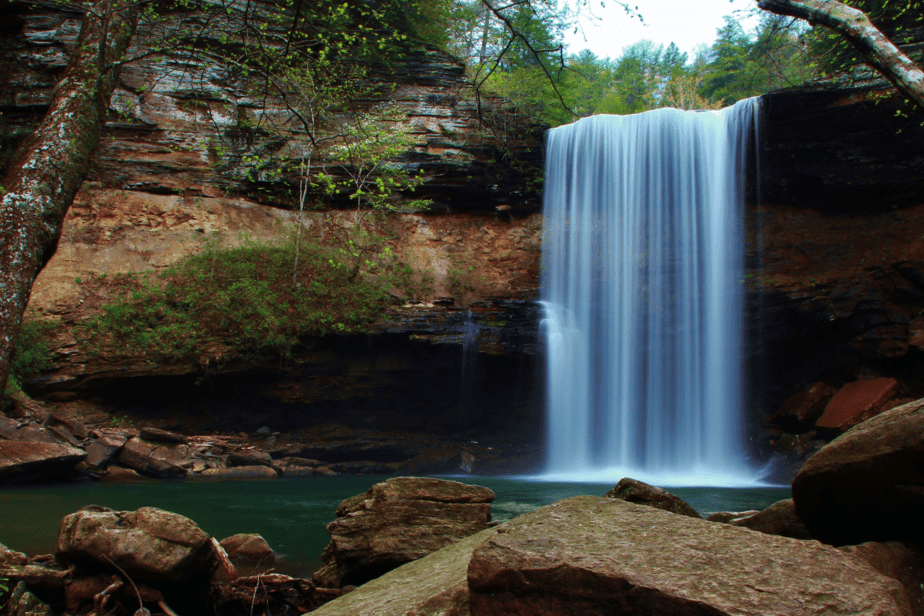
(244, 298)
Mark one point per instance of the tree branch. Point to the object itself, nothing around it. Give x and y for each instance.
(856, 27)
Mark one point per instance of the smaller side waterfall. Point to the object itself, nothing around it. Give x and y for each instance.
(642, 290)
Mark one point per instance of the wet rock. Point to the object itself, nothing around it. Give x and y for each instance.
(867, 484)
(120, 474)
(11, 557)
(778, 519)
(248, 547)
(24, 603)
(240, 472)
(807, 405)
(589, 555)
(149, 544)
(857, 401)
(635, 491)
(37, 577)
(249, 457)
(398, 521)
(900, 561)
(101, 451)
(435, 585)
(156, 435)
(141, 456)
(36, 461)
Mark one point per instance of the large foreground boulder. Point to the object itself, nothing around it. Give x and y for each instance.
(436, 585)
(395, 522)
(34, 461)
(589, 555)
(867, 484)
(148, 544)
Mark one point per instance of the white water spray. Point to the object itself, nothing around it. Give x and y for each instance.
(642, 289)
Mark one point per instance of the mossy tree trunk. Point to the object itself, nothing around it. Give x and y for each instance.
(41, 183)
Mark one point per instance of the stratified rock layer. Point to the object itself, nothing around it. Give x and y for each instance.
(868, 484)
(589, 555)
(398, 521)
(29, 460)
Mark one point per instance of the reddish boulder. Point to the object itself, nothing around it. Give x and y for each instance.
(148, 544)
(856, 402)
(248, 547)
(588, 555)
(778, 519)
(867, 484)
(807, 405)
(899, 561)
(639, 492)
(398, 521)
(32, 460)
(149, 459)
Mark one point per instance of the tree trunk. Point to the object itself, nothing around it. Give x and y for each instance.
(42, 181)
(856, 27)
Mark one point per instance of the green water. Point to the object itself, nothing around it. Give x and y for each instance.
(291, 514)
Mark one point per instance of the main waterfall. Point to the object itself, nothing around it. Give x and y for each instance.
(642, 292)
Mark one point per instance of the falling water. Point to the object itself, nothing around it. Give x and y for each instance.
(642, 291)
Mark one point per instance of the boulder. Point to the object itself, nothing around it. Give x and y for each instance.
(104, 449)
(589, 555)
(32, 461)
(867, 484)
(856, 402)
(900, 561)
(435, 585)
(778, 519)
(398, 521)
(248, 547)
(240, 472)
(807, 405)
(11, 557)
(141, 456)
(249, 457)
(24, 603)
(156, 435)
(148, 544)
(635, 491)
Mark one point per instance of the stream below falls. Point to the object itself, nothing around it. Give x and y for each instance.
(292, 514)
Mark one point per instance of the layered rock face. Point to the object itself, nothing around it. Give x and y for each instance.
(184, 123)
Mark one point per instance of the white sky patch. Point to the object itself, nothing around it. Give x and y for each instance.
(686, 23)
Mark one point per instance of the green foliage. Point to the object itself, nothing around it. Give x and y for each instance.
(245, 297)
(366, 150)
(33, 348)
(896, 18)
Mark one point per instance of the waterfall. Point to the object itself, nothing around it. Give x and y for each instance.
(642, 292)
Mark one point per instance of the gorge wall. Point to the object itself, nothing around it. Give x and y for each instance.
(834, 279)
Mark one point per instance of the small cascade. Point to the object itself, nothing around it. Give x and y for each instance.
(642, 295)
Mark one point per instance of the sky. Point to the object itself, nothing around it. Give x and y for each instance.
(688, 23)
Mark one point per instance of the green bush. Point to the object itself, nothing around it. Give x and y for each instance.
(246, 297)
(33, 349)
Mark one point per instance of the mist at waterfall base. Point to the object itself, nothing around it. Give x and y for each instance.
(643, 298)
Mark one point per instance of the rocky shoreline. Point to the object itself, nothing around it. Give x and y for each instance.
(848, 542)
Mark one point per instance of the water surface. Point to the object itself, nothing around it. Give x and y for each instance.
(291, 514)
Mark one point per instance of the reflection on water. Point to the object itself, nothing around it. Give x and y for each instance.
(291, 514)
